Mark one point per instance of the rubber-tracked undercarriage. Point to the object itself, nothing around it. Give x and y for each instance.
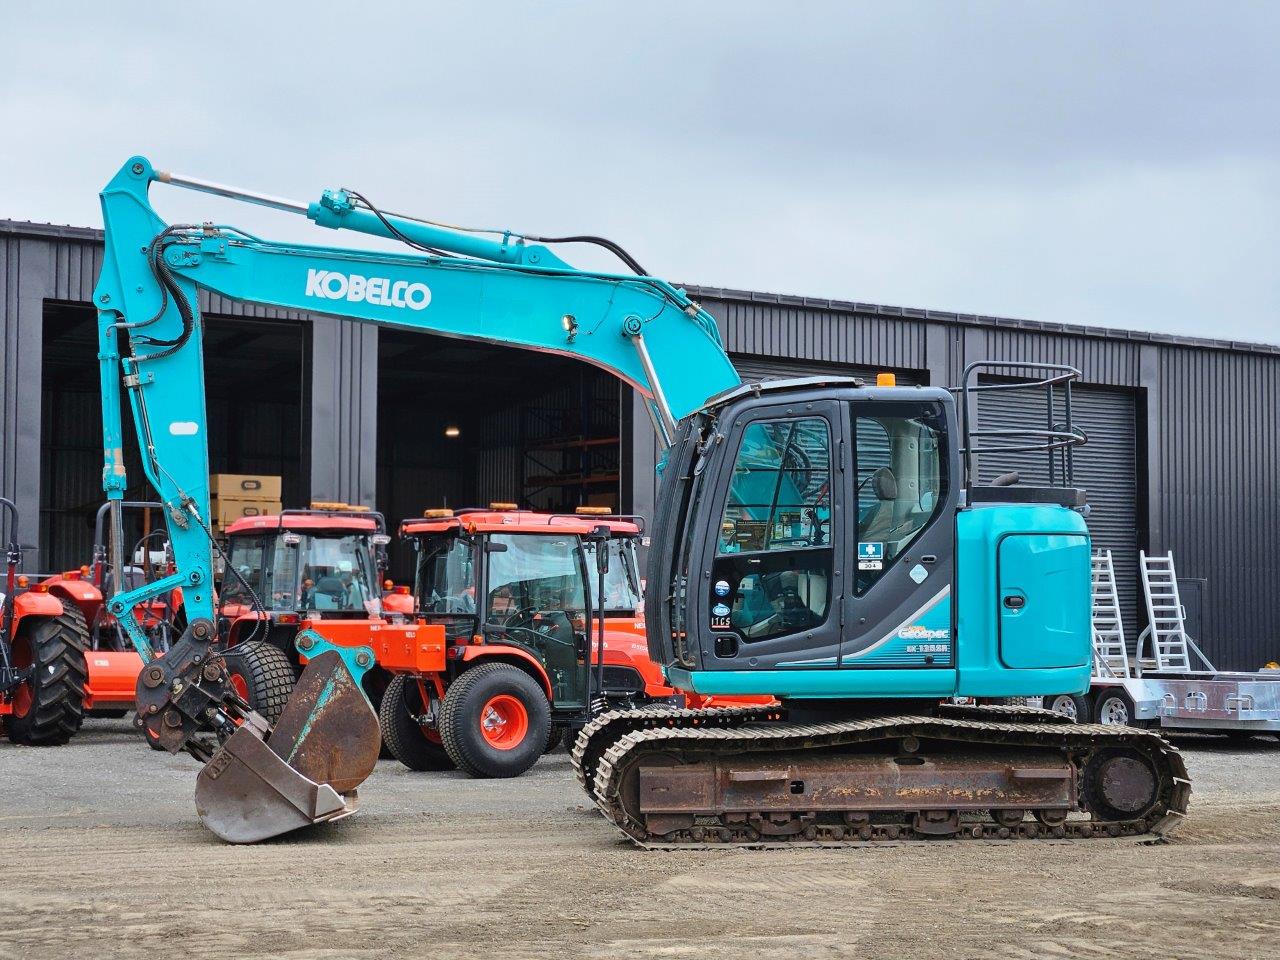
(750, 777)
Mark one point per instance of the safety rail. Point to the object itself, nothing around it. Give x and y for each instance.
(1057, 440)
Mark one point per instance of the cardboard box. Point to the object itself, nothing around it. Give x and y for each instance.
(244, 486)
(227, 511)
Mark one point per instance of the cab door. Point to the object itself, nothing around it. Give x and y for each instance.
(901, 536)
(773, 590)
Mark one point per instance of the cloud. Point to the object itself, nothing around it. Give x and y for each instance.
(1083, 163)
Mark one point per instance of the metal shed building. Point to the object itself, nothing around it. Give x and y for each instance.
(1183, 452)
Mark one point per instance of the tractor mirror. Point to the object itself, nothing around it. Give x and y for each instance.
(491, 546)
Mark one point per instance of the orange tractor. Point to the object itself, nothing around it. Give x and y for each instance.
(286, 572)
(42, 655)
(541, 630)
(113, 663)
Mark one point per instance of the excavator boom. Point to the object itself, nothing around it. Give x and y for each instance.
(259, 782)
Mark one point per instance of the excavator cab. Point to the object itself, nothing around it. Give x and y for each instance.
(828, 516)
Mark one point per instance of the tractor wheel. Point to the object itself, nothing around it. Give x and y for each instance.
(49, 708)
(262, 675)
(73, 619)
(554, 736)
(374, 685)
(494, 721)
(417, 747)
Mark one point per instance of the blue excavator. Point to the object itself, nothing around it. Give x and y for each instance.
(823, 541)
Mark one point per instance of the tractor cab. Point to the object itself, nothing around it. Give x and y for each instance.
(317, 564)
(505, 577)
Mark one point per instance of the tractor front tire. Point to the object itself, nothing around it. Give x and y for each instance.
(402, 735)
(495, 721)
(554, 738)
(49, 708)
(262, 675)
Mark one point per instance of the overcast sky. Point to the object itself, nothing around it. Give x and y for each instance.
(1094, 163)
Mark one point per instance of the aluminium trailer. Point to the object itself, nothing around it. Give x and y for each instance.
(1168, 682)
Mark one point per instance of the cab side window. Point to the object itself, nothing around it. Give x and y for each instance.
(772, 574)
(901, 483)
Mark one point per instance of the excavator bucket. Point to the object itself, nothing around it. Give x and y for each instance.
(263, 782)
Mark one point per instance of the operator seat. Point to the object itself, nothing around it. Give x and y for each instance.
(880, 520)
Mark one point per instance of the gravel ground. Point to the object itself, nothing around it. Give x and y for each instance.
(106, 859)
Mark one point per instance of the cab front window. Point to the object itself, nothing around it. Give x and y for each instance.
(337, 574)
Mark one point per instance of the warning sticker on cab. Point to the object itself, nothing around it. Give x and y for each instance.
(870, 556)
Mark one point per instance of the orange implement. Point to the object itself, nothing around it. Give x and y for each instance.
(113, 677)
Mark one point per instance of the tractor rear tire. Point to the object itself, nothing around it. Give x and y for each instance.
(53, 701)
(263, 675)
(402, 735)
(495, 721)
(73, 619)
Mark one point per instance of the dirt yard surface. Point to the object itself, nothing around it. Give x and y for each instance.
(104, 858)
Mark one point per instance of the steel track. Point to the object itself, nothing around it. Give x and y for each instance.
(616, 743)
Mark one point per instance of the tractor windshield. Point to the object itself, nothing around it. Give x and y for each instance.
(243, 578)
(621, 582)
(337, 573)
(534, 573)
(302, 573)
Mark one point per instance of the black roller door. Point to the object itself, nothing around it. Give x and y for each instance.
(1106, 467)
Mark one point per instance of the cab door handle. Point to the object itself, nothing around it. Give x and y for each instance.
(1015, 602)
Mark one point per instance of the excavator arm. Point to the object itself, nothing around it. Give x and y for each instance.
(506, 290)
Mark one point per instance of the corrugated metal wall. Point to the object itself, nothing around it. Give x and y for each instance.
(753, 368)
(1220, 510)
(799, 329)
(25, 276)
